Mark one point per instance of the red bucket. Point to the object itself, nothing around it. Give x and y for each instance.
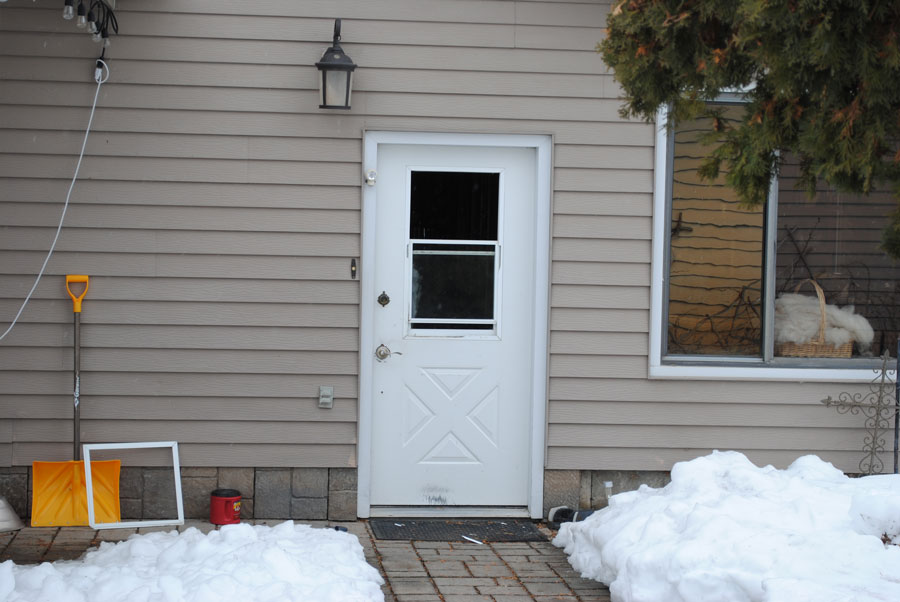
(225, 507)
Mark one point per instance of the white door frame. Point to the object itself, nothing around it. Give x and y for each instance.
(542, 146)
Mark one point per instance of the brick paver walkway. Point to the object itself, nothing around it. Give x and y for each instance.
(417, 571)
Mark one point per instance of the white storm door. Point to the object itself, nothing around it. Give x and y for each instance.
(453, 326)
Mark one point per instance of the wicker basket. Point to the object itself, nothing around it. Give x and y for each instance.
(817, 347)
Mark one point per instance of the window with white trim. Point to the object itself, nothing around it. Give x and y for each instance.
(738, 286)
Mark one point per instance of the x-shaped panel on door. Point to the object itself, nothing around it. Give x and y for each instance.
(449, 402)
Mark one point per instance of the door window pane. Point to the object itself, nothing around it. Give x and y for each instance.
(453, 229)
(452, 205)
(716, 257)
(454, 284)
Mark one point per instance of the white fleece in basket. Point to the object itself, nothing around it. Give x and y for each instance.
(797, 321)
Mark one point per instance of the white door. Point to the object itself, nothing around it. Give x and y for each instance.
(453, 327)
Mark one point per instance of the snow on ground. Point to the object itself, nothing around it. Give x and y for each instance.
(725, 530)
(239, 562)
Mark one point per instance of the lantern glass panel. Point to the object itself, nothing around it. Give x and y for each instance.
(335, 88)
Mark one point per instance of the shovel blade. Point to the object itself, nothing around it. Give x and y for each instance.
(59, 498)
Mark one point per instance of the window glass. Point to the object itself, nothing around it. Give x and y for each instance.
(452, 205)
(716, 257)
(835, 240)
(717, 278)
(453, 283)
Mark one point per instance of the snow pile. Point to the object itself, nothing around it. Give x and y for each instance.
(239, 562)
(797, 320)
(725, 530)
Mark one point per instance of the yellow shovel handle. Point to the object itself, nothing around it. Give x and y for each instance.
(76, 299)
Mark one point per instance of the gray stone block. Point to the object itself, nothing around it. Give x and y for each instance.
(159, 493)
(237, 478)
(131, 508)
(342, 479)
(623, 480)
(561, 488)
(246, 508)
(14, 487)
(309, 508)
(342, 505)
(195, 494)
(309, 482)
(199, 471)
(131, 482)
(272, 497)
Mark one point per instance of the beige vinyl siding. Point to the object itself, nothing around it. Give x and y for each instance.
(218, 209)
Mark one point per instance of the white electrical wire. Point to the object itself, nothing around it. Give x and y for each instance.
(101, 74)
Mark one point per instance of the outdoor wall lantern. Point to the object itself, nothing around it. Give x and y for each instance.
(335, 74)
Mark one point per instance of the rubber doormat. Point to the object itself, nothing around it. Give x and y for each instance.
(461, 529)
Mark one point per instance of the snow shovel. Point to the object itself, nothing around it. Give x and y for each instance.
(59, 492)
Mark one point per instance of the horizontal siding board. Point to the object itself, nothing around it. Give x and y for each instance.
(599, 297)
(744, 392)
(179, 266)
(194, 361)
(606, 204)
(191, 314)
(463, 11)
(181, 170)
(583, 39)
(598, 366)
(604, 180)
(612, 274)
(602, 250)
(206, 454)
(207, 431)
(610, 227)
(585, 156)
(197, 98)
(107, 193)
(177, 384)
(721, 437)
(117, 144)
(598, 343)
(6, 455)
(128, 119)
(36, 61)
(113, 240)
(387, 78)
(245, 290)
(770, 415)
(256, 26)
(112, 336)
(138, 407)
(572, 15)
(594, 320)
(149, 217)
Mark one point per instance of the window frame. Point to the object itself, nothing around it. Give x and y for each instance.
(695, 367)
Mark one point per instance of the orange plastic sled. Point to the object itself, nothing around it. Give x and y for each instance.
(60, 495)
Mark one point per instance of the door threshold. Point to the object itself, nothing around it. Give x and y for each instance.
(450, 511)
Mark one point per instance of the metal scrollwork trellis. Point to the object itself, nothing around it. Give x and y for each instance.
(879, 406)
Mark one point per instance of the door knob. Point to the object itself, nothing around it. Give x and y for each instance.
(382, 353)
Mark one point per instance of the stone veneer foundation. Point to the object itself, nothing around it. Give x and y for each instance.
(277, 493)
(299, 493)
